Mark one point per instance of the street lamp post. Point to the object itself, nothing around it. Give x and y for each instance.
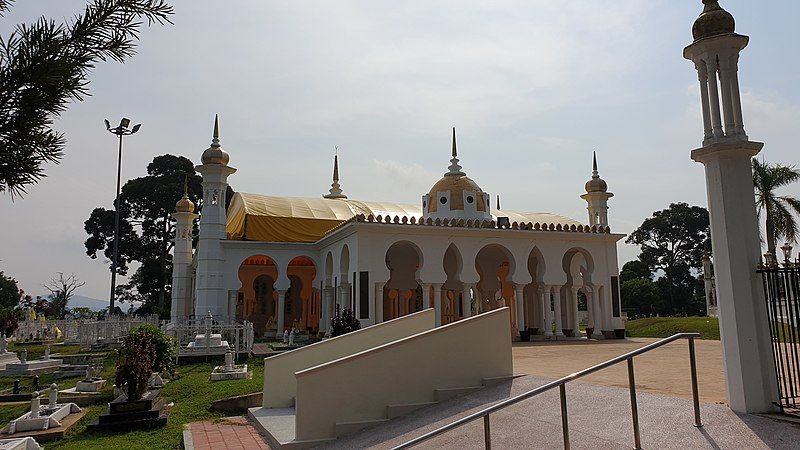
(120, 130)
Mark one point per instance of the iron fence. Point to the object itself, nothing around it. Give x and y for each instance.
(782, 292)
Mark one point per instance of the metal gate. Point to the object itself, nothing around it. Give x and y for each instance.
(782, 289)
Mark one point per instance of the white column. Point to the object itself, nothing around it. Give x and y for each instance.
(557, 307)
(426, 295)
(344, 296)
(597, 312)
(520, 303)
(379, 302)
(576, 326)
(736, 97)
(744, 324)
(280, 311)
(325, 319)
(548, 311)
(437, 302)
(702, 75)
(713, 97)
(466, 300)
(727, 102)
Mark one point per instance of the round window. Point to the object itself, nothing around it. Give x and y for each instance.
(443, 200)
(470, 199)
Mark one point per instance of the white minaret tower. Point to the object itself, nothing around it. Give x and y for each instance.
(596, 197)
(210, 292)
(182, 259)
(708, 286)
(336, 189)
(726, 154)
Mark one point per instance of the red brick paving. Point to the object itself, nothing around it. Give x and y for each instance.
(233, 433)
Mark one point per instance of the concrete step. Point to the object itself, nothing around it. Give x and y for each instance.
(491, 381)
(447, 393)
(393, 411)
(348, 428)
(278, 427)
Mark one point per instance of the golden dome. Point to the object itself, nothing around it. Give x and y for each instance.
(215, 154)
(184, 205)
(457, 185)
(596, 185)
(713, 21)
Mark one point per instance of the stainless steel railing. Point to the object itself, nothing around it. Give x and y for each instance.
(561, 384)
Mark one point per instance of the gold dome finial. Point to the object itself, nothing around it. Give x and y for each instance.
(184, 204)
(596, 184)
(215, 154)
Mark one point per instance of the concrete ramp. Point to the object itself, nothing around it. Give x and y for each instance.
(371, 388)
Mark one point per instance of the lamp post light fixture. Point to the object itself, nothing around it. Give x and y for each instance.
(787, 252)
(120, 130)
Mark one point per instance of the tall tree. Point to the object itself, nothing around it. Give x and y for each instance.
(146, 229)
(10, 297)
(62, 288)
(45, 65)
(672, 242)
(779, 209)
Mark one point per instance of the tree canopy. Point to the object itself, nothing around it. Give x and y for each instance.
(778, 209)
(146, 229)
(45, 65)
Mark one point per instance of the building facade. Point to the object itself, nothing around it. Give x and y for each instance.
(284, 262)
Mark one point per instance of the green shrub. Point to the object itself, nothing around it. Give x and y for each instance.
(344, 323)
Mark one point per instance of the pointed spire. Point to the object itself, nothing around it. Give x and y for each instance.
(215, 154)
(595, 173)
(454, 169)
(186, 186)
(216, 126)
(498, 202)
(596, 184)
(336, 189)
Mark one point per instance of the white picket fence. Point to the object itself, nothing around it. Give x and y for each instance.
(86, 332)
(238, 334)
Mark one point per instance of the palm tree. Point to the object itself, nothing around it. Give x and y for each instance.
(781, 223)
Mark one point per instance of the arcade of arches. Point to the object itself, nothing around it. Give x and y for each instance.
(258, 301)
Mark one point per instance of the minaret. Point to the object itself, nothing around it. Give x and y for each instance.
(596, 197)
(336, 189)
(726, 154)
(182, 258)
(210, 291)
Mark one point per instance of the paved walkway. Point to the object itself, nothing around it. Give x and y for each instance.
(662, 371)
(599, 417)
(233, 433)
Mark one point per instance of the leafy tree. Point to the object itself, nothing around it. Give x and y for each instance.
(672, 242)
(146, 230)
(344, 323)
(779, 209)
(61, 290)
(82, 313)
(45, 65)
(10, 293)
(642, 296)
(635, 270)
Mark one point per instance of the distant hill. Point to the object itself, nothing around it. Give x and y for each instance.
(86, 302)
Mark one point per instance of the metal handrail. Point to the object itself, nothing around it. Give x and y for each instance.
(561, 384)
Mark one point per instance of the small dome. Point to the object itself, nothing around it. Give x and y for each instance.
(215, 155)
(456, 185)
(596, 185)
(713, 21)
(184, 205)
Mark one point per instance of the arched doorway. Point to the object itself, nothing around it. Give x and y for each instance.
(453, 289)
(495, 265)
(302, 303)
(402, 294)
(257, 298)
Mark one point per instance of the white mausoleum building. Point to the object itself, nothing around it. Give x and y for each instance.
(282, 262)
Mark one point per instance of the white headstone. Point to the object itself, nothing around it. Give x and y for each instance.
(291, 337)
(23, 356)
(35, 405)
(228, 361)
(3, 344)
(285, 336)
(53, 395)
(46, 353)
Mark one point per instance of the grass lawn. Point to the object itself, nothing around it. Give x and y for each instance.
(191, 392)
(661, 327)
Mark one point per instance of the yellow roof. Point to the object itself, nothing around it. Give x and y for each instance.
(255, 217)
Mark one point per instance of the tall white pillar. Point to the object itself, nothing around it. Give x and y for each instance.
(466, 300)
(713, 97)
(744, 323)
(520, 304)
(344, 296)
(325, 316)
(281, 311)
(576, 326)
(544, 303)
(702, 76)
(597, 312)
(557, 307)
(437, 302)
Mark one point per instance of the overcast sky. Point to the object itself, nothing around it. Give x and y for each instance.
(532, 87)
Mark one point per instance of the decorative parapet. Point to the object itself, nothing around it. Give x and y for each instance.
(485, 224)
